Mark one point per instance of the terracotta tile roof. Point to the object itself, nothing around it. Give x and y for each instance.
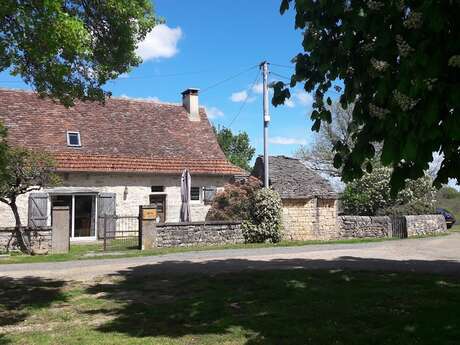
(100, 163)
(122, 135)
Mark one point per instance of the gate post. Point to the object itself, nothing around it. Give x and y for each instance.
(60, 236)
(147, 226)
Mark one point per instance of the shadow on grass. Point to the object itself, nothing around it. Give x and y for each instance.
(339, 302)
(18, 297)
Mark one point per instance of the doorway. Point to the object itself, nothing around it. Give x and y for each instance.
(159, 201)
(82, 214)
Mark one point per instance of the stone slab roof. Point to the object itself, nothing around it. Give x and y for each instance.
(292, 179)
(123, 135)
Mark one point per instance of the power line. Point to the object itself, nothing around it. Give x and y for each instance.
(227, 79)
(256, 80)
(279, 65)
(281, 76)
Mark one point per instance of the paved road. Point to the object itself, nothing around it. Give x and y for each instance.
(433, 255)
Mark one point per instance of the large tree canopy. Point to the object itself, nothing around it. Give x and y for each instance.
(68, 49)
(237, 147)
(399, 61)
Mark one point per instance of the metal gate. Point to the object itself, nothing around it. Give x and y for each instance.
(399, 227)
(120, 232)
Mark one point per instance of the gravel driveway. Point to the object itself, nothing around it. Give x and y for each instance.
(431, 255)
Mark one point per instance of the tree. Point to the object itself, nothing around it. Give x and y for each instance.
(234, 201)
(399, 62)
(320, 155)
(370, 195)
(24, 171)
(69, 49)
(236, 147)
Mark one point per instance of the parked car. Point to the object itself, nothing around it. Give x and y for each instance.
(450, 219)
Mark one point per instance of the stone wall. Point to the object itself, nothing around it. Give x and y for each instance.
(40, 239)
(309, 219)
(197, 233)
(425, 224)
(378, 227)
(363, 227)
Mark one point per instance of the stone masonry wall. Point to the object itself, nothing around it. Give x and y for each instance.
(425, 224)
(377, 227)
(40, 239)
(199, 233)
(309, 219)
(363, 227)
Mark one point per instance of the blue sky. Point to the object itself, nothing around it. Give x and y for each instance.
(204, 42)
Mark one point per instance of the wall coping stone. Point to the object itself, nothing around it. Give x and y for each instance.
(164, 225)
(26, 228)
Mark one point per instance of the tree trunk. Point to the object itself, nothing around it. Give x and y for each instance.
(21, 236)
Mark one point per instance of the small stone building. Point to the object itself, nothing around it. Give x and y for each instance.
(309, 202)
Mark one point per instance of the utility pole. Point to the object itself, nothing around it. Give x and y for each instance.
(264, 66)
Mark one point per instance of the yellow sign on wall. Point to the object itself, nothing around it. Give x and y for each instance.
(149, 213)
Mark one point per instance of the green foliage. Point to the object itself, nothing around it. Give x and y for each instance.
(264, 224)
(236, 147)
(449, 198)
(25, 171)
(447, 192)
(370, 195)
(400, 66)
(233, 203)
(69, 49)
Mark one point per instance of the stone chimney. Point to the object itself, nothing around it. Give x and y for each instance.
(190, 103)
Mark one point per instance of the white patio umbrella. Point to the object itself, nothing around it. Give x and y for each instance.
(185, 185)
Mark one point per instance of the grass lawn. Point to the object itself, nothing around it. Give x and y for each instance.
(94, 251)
(263, 307)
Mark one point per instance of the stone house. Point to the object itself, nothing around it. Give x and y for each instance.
(309, 202)
(114, 157)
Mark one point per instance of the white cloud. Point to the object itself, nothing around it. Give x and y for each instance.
(287, 141)
(150, 98)
(258, 88)
(241, 96)
(304, 98)
(161, 42)
(289, 103)
(214, 112)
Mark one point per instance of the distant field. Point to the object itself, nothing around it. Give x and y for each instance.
(450, 202)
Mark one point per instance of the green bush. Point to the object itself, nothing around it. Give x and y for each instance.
(370, 195)
(264, 223)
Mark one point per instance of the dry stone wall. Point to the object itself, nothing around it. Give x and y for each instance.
(363, 227)
(40, 239)
(425, 225)
(198, 233)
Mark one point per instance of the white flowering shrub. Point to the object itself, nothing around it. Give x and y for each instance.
(370, 196)
(264, 223)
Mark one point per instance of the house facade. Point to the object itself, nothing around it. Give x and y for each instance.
(309, 202)
(114, 157)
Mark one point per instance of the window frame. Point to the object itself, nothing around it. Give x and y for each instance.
(68, 134)
(200, 198)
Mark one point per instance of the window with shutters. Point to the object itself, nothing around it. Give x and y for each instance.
(195, 193)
